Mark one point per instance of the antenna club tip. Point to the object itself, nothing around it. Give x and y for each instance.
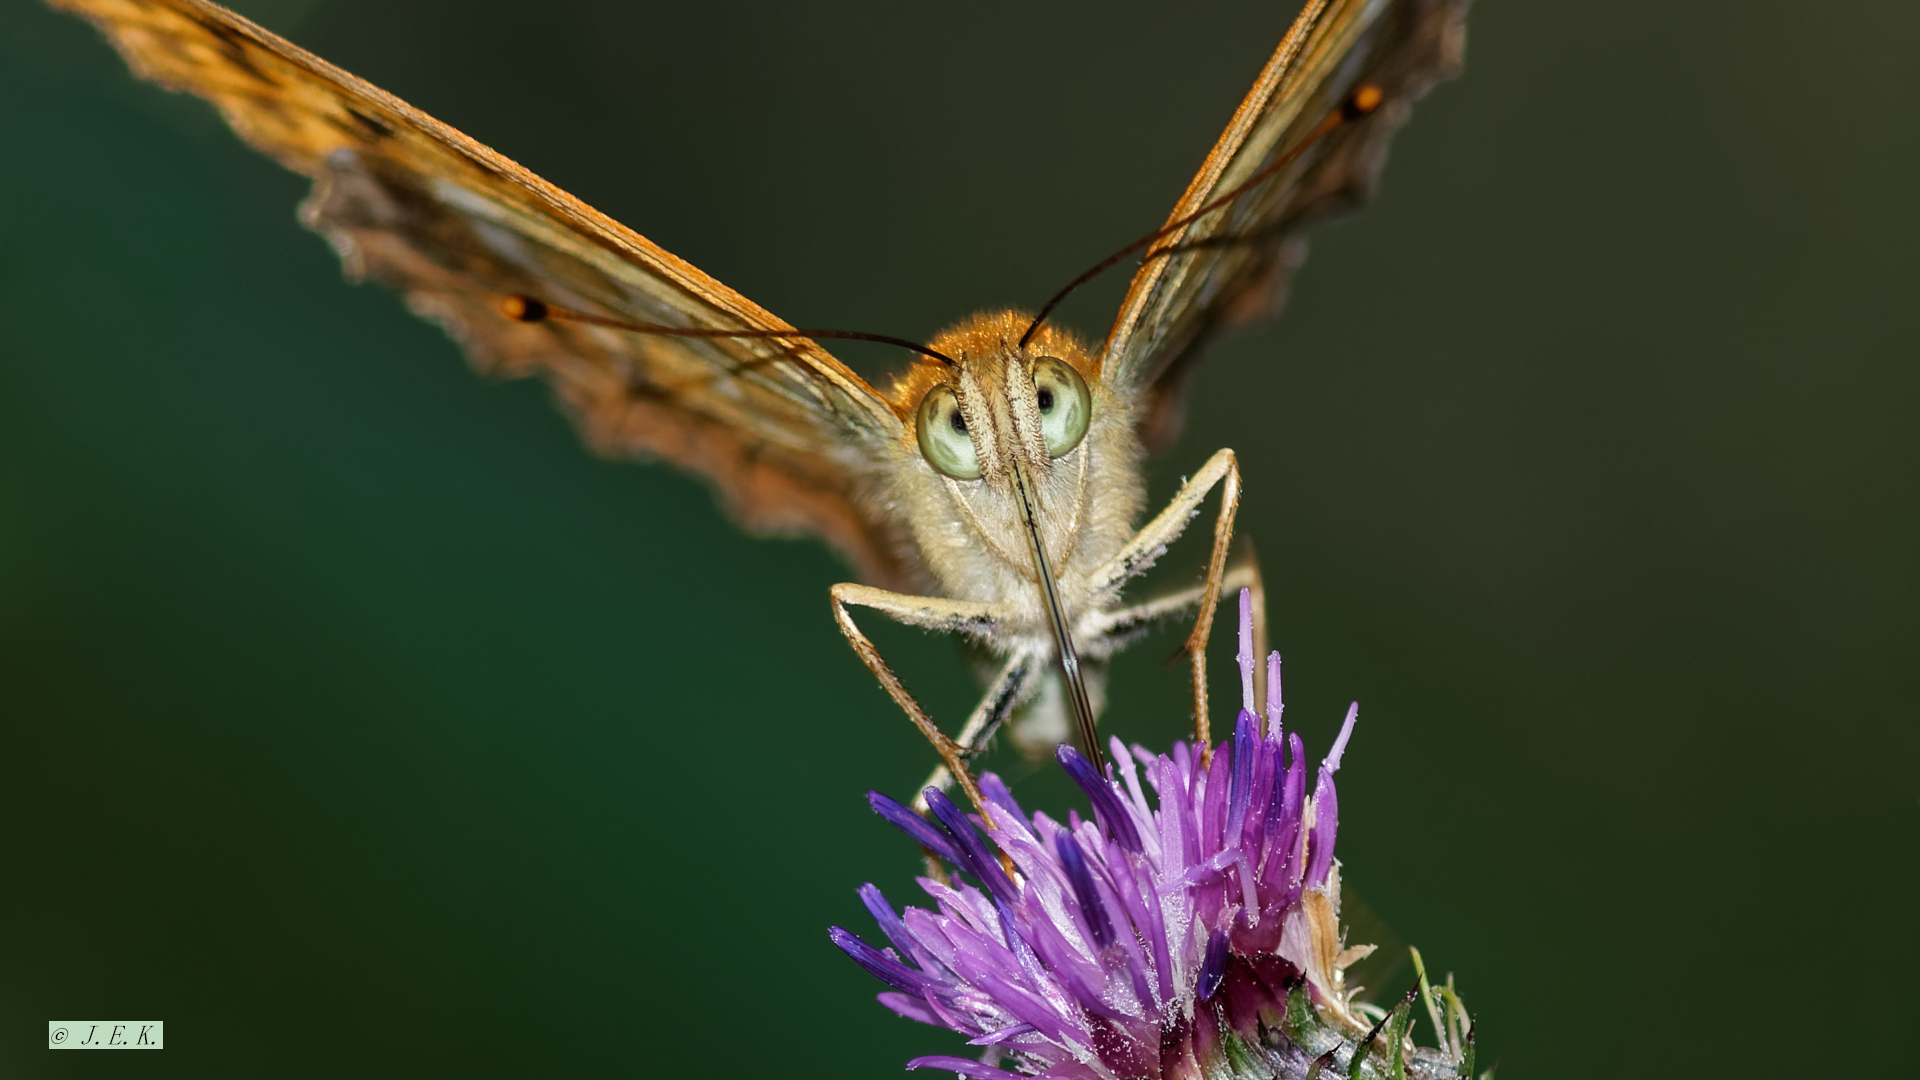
(521, 308)
(1365, 98)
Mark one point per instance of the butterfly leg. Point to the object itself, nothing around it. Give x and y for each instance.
(1115, 628)
(1003, 693)
(930, 613)
(1119, 626)
(1222, 470)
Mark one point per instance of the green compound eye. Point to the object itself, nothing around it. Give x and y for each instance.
(944, 441)
(1065, 405)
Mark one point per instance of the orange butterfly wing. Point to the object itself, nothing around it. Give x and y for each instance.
(786, 432)
(1241, 257)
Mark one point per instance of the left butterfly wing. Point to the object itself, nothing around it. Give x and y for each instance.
(1233, 265)
(786, 432)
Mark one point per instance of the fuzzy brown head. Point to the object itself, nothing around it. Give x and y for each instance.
(1010, 454)
(969, 420)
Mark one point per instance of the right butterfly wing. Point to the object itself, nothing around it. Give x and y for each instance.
(1233, 265)
(786, 432)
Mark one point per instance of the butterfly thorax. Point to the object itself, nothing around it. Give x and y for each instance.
(971, 532)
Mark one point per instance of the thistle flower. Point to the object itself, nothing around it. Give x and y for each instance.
(1194, 936)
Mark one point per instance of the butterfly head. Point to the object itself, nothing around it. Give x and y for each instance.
(1005, 433)
(999, 407)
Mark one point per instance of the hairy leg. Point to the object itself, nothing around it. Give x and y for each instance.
(1241, 574)
(928, 612)
(1003, 693)
(1223, 470)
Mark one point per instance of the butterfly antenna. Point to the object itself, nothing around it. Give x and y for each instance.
(523, 308)
(1364, 99)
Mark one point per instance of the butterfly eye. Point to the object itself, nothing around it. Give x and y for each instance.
(1065, 405)
(944, 441)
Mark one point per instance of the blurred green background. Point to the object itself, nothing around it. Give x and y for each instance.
(358, 722)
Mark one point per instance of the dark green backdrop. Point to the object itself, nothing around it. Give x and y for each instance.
(358, 722)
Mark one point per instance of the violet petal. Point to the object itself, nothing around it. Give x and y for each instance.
(909, 1006)
(883, 967)
(1214, 968)
(1074, 862)
(1245, 738)
(913, 825)
(1245, 656)
(888, 919)
(963, 1066)
(1275, 704)
(1326, 823)
(972, 852)
(995, 789)
(1112, 816)
(1332, 762)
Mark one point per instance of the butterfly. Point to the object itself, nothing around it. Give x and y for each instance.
(994, 488)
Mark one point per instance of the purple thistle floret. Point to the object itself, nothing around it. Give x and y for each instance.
(1128, 945)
